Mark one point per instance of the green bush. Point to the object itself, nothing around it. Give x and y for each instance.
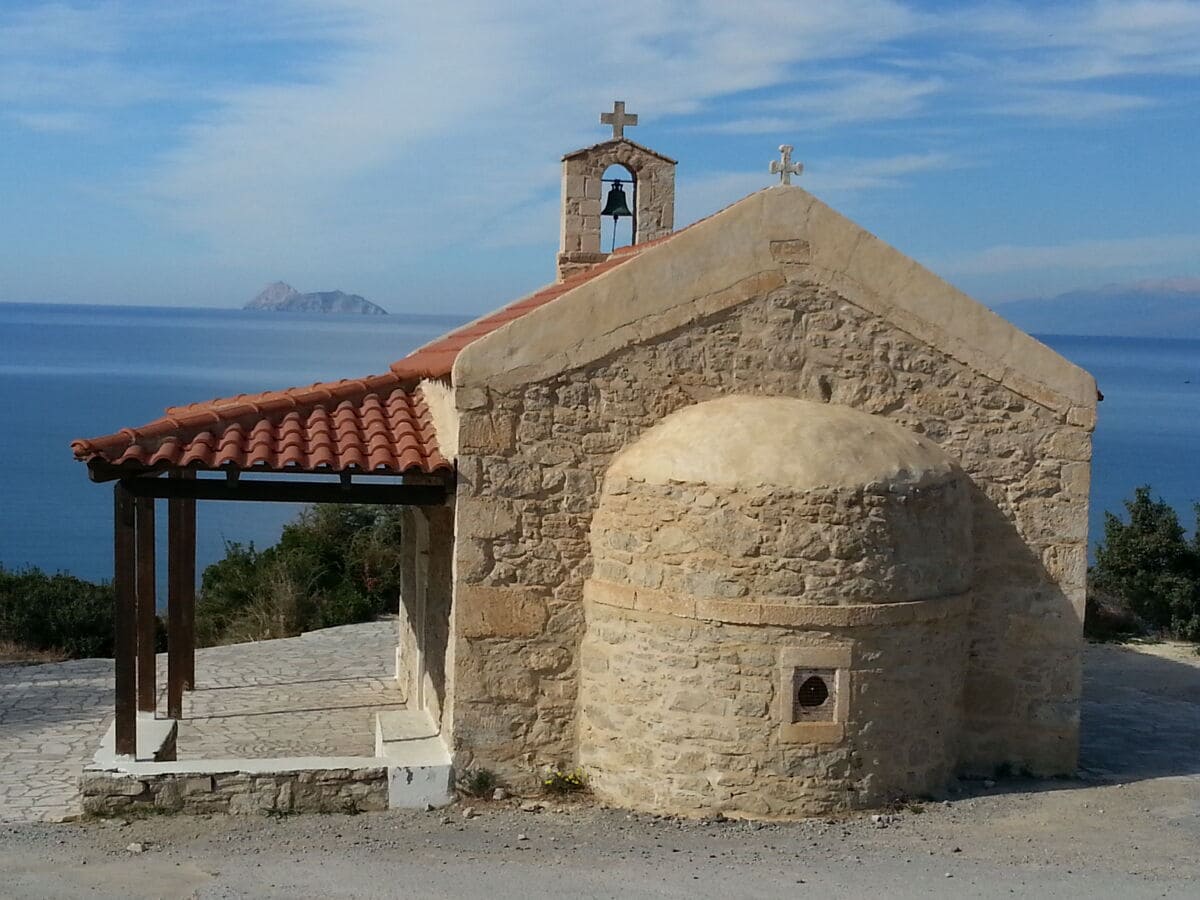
(1151, 565)
(335, 565)
(56, 613)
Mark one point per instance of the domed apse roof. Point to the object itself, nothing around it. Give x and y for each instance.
(747, 442)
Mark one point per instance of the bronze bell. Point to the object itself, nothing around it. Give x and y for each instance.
(616, 205)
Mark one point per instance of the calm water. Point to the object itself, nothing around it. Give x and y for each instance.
(71, 371)
(81, 371)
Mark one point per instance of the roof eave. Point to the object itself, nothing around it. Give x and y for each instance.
(615, 142)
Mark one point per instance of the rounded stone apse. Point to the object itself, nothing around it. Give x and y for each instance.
(776, 619)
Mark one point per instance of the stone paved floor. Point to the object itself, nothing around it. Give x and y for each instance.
(1140, 712)
(317, 693)
(51, 719)
(313, 695)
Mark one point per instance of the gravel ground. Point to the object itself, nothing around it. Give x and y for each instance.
(1129, 828)
(1018, 838)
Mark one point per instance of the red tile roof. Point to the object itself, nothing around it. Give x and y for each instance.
(367, 425)
(375, 424)
(436, 359)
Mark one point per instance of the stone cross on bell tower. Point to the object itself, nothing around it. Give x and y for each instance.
(618, 119)
(652, 200)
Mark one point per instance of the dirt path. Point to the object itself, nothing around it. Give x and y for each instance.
(1129, 829)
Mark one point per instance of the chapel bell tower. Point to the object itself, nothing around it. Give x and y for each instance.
(648, 194)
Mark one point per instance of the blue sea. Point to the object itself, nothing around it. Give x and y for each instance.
(82, 371)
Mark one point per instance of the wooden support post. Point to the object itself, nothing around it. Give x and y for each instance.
(187, 587)
(147, 614)
(125, 621)
(175, 629)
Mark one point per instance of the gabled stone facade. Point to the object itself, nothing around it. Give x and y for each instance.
(777, 296)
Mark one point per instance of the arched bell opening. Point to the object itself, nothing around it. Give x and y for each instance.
(618, 211)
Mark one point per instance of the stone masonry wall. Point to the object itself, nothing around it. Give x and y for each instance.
(328, 790)
(532, 459)
(679, 716)
(427, 539)
(802, 547)
(414, 554)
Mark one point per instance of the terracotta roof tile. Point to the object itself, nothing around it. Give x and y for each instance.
(436, 359)
(371, 424)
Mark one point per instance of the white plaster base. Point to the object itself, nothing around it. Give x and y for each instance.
(420, 773)
(155, 742)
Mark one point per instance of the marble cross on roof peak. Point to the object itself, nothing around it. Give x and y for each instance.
(784, 167)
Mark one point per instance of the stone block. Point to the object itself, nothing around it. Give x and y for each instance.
(795, 252)
(487, 518)
(484, 611)
(574, 185)
(1082, 417)
(197, 784)
(487, 432)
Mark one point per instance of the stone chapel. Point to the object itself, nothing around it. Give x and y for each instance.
(757, 516)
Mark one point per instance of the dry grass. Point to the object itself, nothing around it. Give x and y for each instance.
(13, 654)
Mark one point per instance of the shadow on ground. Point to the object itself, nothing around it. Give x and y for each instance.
(1139, 720)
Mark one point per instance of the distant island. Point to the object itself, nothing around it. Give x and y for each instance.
(282, 297)
(1168, 307)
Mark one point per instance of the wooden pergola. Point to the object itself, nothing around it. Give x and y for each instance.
(134, 576)
(375, 434)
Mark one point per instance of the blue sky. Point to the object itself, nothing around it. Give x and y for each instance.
(187, 153)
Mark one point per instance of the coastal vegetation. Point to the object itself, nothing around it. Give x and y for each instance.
(1147, 573)
(337, 565)
(334, 565)
(54, 615)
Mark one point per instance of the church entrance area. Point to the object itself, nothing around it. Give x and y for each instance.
(342, 719)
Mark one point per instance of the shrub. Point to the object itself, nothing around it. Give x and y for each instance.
(335, 565)
(478, 782)
(56, 613)
(1148, 564)
(1110, 618)
(558, 781)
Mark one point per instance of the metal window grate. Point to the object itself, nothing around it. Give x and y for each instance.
(812, 692)
(813, 695)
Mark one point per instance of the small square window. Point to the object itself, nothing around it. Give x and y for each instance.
(814, 690)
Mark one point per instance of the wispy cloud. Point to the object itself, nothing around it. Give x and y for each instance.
(833, 99)
(1083, 41)
(1115, 253)
(834, 179)
(367, 134)
(289, 163)
(1070, 106)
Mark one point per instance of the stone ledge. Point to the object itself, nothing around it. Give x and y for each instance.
(420, 772)
(411, 770)
(812, 733)
(250, 786)
(763, 612)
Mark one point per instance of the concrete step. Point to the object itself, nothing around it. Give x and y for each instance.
(418, 763)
